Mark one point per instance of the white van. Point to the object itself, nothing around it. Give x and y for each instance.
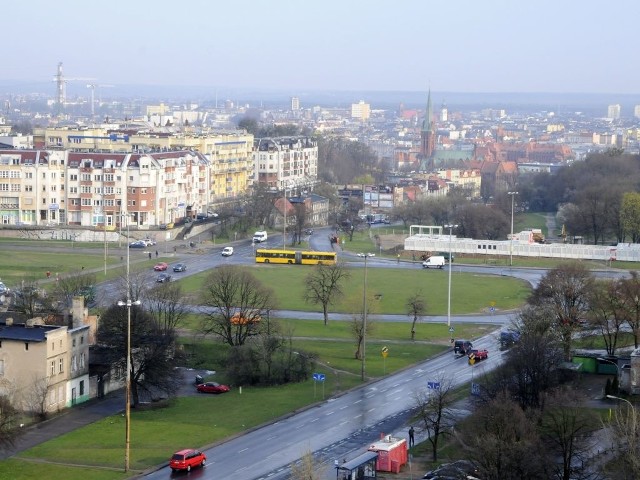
(260, 236)
(436, 261)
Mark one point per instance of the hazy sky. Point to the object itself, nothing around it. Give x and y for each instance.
(581, 46)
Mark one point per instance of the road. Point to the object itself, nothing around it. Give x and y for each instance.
(335, 428)
(341, 427)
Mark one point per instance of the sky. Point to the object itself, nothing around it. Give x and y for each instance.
(548, 46)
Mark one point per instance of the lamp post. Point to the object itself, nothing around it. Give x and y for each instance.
(512, 194)
(364, 318)
(450, 227)
(127, 407)
(284, 225)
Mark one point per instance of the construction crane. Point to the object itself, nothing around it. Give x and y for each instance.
(61, 87)
(93, 86)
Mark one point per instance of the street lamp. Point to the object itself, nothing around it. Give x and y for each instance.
(127, 407)
(364, 317)
(512, 194)
(450, 227)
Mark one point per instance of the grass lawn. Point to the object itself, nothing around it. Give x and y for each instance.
(470, 293)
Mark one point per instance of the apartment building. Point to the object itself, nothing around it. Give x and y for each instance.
(286, 162)
(44, 368)
(90, 177)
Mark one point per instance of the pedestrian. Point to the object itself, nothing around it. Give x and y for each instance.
(149, 255)
(48, 274)
(411, 438)
(156, 253)
(398, 258)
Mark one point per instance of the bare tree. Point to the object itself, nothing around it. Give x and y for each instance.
(607, 312)
(33, 301)
(566, 289)
(74, 284)
(165, 303)
(36, 396)
(567, 428)
(306, 468)
(9, 418)
(361, 325)
(504, 443)
(625, 429)
(433, 411)
(416, 307)
(324, 286)
(630, 292)
(236, 302)
(153, 353)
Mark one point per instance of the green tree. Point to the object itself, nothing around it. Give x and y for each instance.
(630, 215)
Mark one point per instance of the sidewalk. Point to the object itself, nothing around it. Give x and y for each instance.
(68, 420)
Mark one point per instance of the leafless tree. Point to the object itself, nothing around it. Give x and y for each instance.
(235, 303)
(416, 307)
(630, 292)
(306, 468)
(433, 410)
(165, 303)
(36, 396)
(324, 286)
(361, 324)
(567, 429)
(503, 442)
(9, 418)
(33, 301)
(625, 430)
(608, 312)
(74, 284)
(566, 290)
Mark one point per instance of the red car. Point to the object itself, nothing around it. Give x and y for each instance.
(212, 387)
(187, 459)
(160, 267)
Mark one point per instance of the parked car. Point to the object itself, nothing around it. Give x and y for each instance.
(166, 226)
(149, 241)
(163, 278)
(366, 255)
(179, 267)
(187, 459)
(137, 244)
(212, 387)
(3, 289)
(160, 267)
(227, 251)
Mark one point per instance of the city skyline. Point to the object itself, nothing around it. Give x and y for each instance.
(468, 47)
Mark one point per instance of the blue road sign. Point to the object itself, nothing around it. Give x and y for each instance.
(475, 389)
(318, 377)
(433, 385)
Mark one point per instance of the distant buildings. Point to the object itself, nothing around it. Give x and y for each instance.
(361, 111)
(286, 163)
(613, 112)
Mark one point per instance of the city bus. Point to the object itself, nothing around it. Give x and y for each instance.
(299, 257)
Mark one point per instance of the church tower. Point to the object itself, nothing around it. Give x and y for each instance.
(428, 136)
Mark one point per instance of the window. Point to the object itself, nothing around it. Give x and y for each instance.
(82, 360)
(60, 365)
(1, 368)
(26, 346)
(52, 369)
(81, 339)
(74, 342)
(74, 363)
(81, 387)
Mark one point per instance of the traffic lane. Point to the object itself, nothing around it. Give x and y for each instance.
(272, 448)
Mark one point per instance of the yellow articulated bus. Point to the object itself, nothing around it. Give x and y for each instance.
(299, 257)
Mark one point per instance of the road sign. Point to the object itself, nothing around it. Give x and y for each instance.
(433, 385)
(475, 389)
(318, 377)
(451, 329)
(385, 352)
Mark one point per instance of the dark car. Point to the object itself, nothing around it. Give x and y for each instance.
(180, 267)
(138, 244)
(163, 278)
(187, 459)
(212, 387)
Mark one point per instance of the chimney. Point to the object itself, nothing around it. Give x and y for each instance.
(77, 312)
(8, 322)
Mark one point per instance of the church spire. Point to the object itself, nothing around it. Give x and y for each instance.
(427, 124)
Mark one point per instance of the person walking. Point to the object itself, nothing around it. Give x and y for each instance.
(156, 253)
(411, 437)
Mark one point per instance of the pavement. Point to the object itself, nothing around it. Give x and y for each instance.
(82, 415)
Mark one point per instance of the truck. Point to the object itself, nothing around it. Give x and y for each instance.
(260, 236)
(476, 355)
(435, 261)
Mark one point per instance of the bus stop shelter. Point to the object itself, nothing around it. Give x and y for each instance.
(363, 467)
